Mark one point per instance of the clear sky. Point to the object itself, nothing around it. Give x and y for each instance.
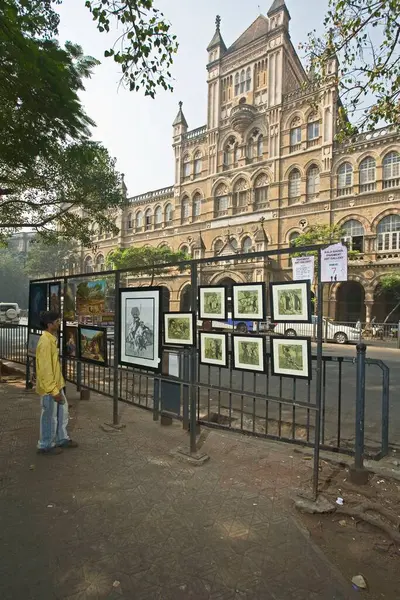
(138, 130)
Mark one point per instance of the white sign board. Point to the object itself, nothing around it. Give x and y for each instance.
(303, 268)
(334, 263)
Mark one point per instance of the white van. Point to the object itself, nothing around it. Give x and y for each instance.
(10, 313)
(341, 334)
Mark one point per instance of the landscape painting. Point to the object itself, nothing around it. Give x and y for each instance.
(249, 353)
(90, 298)
(249, 301)
(291, 301)
(291, 357)
(179, 329)
(213, 302)
(92, 343)
(214, 349)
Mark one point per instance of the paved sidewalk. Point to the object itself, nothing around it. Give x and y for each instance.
(120, 518)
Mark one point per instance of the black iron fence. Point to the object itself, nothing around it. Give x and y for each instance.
(255, 404)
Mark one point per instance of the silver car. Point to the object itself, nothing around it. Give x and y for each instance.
(341, 334)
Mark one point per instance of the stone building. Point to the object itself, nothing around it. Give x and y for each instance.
(263, 169)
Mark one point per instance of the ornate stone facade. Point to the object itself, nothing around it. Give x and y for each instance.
(264, 168)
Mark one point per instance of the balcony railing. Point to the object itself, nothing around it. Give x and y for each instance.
(237, 210)
(295, 147)
(391, 183)
(314, 142)
(367, 187)
(345, 191)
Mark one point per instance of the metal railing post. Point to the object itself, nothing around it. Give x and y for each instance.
(193, 365)
(398, 336)
(116, 348)
(358, 474)
(318, 393)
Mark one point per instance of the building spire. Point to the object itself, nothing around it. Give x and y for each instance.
(277, 6)
(217, 40)
(180, 117)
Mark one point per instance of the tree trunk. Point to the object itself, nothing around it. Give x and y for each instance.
(391, 312)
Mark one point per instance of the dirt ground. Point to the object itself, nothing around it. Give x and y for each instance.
(353, 545)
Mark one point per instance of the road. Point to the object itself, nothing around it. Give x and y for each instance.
(241, 410)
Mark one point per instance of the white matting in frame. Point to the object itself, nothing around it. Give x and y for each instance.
(249, 301)
(140, 331)
(291, 357)
(290, 301)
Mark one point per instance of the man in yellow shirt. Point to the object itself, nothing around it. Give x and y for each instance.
(49, 385)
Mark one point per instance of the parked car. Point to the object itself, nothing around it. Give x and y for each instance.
(10, 313)
(341, 334)
(239, 325)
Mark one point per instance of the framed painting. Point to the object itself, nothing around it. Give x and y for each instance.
(55, 297)
(140, 327)
(92, 344)
(70, 301)
(291, 357)
(249, 353)
(179, 329)
(33, 340)
(70, 336)
(214, 349)
(290, 301)
(90, 298)
(37, 304)
(249, 301)
(213, 302)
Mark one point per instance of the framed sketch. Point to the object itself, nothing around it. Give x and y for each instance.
(249, 301)
(291, 357)
(213, 302)
(249, 353)
(214, 349)
(92, 344)
(290, 301)
(55, 297)
(33, 340)
(140, 327)
(179, 329)
(70, 336)
(37, 304)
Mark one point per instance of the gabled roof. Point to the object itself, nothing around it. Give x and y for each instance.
(277, 5)
(216, 41)
(257, 29)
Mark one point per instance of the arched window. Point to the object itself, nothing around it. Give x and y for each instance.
(261, 192)
(185, 210)
(242, 81)
(186, 166)
(367, 174)
(185, 249)
(99, 266)
(313, 129)
(129, 221)
(221, 201)
(294, 186)
(312, 183)
(293, 236)
(391, 170)
(148, 217)
(295, 134)
(169, 212)
(247, 245)
(197, 163)
(139, 220)
(345, 179)
(353, 235)
(219, 244)
(237, 84)
(248, 79)
(88, 264)
(240, 194)
(158, 217)
(196, 206)
(388, 231)
(230, 152)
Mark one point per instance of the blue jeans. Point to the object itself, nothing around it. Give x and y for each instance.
(53, 423)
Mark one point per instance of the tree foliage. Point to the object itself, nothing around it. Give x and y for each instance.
(14, 284)
(364, 35)
(319, 234)
(144, 260)
(47, 260)
(391, 283)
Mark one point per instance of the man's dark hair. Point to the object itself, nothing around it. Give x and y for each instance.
(48, 317)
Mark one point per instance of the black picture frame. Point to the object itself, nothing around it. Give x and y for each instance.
(251, 338)
(275, 339)
(207, 317)
(38, 302)
(102, 330)
(57, 286)
(243, 317)
(207, 334)
(276, 316)
(66, 330)
(121, 329)
(192, 316)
